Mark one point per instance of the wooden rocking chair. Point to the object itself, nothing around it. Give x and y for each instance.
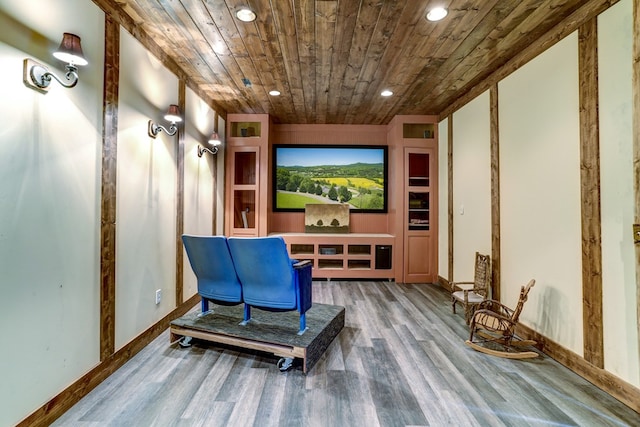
(470, 294)
(494, 324)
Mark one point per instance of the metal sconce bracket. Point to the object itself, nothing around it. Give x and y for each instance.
(32, 72)
(153, 129)
(202, 150)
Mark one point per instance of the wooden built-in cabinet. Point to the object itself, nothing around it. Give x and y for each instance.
(400, 244)
(349, 255)
(418, 233)
(413, 142)
(246, 175)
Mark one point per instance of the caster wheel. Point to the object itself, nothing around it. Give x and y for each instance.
(285, 363)
(185, 342)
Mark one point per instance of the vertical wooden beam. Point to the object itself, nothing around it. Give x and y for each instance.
(108, 184)
(636, 141)
(450, 195)
(590, 192)
(495, 193)
(214, 174)
(180, 195)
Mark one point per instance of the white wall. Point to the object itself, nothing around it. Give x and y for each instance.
(198, 179)
(146, 193)
(50, 149)
(615, 28)
(443, 199)
(471, 185)
(540, 192)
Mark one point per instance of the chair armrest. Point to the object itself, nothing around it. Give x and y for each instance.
(456, 285)
(302, 264)
(488, 305)
(492, 313)
(304, 281)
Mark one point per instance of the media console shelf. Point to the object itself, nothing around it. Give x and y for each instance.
(344, 256)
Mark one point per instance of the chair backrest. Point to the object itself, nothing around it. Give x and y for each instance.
(482, 275)
(524, 294)
(265, 271)
(211, 262)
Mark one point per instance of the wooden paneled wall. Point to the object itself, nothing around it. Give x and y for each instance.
(110, 359)
(585, 22)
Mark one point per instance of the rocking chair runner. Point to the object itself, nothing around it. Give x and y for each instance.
(470, 294)
(494, 324)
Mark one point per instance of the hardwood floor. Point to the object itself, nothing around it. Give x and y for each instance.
(399, 361)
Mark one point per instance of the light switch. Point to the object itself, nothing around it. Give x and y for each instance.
(461, 209)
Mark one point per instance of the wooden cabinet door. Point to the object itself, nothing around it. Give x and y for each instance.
(419, 216)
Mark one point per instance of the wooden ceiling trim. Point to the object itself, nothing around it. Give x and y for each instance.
(463, 61)
(365, 25)
(235, 63)
(284, 21)
(306, 20)
(420, 63)
(330, 59)
(466, 73)
(346, 18)
(188, 32)
(367, 87)
(470, 22)
(570, 24)
(276, 73)
(325, 27)
(124, 16)
(252, 58)
(403, 66)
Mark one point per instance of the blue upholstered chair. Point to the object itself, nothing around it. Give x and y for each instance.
(212, 264)
(270, 280)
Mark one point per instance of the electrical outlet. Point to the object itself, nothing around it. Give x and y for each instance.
(158, 296)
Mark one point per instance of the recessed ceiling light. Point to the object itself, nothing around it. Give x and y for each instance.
(437, 13)
(274, 92)
(386, 93)
(246, 15)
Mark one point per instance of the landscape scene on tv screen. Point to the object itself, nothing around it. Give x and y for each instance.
(330, 174)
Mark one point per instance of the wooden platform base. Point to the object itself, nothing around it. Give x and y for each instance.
(267, 331)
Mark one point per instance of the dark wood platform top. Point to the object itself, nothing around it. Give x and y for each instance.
(272, 327)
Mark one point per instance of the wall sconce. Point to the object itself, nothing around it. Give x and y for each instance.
(173, 116)
(214, 141)
(37, 76)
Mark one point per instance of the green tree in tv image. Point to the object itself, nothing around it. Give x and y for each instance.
(360, 185)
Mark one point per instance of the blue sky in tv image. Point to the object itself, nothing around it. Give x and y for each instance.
(318, 156)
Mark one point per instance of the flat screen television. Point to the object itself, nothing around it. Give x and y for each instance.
(353, 174)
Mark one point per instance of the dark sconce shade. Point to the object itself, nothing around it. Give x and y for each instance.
(37, 76)
(173, 116)
(70, 50)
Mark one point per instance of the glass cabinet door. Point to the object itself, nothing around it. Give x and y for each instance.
(244, 192)
(418, 210)
(245, 168)
(418, 194)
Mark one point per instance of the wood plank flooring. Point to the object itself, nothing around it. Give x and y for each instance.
(399, 361)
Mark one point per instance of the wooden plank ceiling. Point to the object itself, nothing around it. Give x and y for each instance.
(330, 59)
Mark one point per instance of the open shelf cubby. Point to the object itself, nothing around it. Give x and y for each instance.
(344, 255)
